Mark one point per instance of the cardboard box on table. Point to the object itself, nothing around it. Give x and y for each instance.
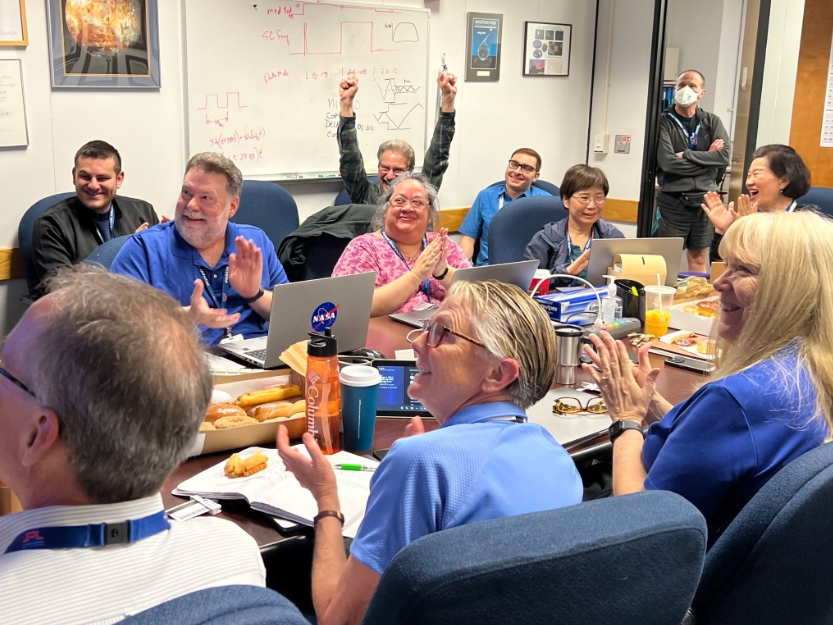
(642, 268)
(682, 320)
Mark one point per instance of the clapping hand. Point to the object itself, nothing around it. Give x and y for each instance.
(724, 216)
(314, 473)
(246, 268)
(442, 261)
(203, 314)
(579, 264)
(428, 259)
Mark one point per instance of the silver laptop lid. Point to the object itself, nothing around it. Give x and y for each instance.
(520, 273)
(602, 252)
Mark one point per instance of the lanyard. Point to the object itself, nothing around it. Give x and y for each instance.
(791, 208)
(112, 225)
(209, 291)
(500, 200)
(100, 535)
(586, 245)
(425, 287)
(692, 139)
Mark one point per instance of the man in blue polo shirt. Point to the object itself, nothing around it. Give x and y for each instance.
(221, 272)
(523, 169)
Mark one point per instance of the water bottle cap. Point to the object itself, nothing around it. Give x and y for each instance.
(322, 345)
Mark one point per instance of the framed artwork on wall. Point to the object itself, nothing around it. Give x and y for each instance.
(104, 43)
(547, 49)
(13, 23)
(483, 32)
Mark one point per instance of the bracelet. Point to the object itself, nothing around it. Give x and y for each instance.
(325, 513)
(443, 274)
(257, 296)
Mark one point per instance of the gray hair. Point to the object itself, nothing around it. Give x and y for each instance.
(214, 163)
(511, 325)
(122, 367)
(401, 147)
(430, 190)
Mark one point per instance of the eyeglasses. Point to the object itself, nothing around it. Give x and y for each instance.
(16, 382)
(584, 200)
(436, 332)
(527, 169)
(400, 201)
(573, 405)
(384, 170)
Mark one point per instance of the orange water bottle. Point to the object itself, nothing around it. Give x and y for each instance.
(322, 391)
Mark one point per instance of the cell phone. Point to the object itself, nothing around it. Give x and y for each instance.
(397, 376)
(692, 364)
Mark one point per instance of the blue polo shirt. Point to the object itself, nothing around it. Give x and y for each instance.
(473, 468)
(476, 223)
(160, 257)
(720, 446)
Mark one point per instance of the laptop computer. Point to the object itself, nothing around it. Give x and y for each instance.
(519, 273)
(604, 250)
(342, 303)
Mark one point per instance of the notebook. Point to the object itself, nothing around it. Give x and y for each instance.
(520, 274)
(341, 303)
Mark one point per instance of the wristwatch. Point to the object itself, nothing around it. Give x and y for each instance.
(620, 427)
(256, 297)
(442, 275)
(325, 513)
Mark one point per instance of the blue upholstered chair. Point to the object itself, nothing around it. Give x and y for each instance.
(774, 563)
(344, 198)
(821, 197)
(541, 184)
(105, 253)
(224, 605)
(269, 207)
(618, 561)
(26, 229)
(515, 224)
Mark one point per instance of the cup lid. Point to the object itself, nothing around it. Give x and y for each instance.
(359, 375)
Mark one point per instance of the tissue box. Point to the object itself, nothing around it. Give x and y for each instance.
(578, 304)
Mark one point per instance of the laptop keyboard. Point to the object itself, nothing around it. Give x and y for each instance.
(259, 354)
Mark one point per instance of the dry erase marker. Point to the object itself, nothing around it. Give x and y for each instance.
(353, 467)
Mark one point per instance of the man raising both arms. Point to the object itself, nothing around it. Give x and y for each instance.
(395, 156)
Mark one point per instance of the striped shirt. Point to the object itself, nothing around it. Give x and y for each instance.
(104, 584)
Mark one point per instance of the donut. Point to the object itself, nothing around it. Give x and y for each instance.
(217, 411)
(207, 426)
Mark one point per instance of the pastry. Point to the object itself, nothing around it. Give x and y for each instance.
(224, 423)
(244, 467)
(221, 397)
(264, 396)
(271, 410)
(207, 426)
(218, 411)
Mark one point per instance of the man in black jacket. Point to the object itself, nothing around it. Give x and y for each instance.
(69, 231)
(692, 153)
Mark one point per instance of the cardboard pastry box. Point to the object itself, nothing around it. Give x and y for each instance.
(692, 322)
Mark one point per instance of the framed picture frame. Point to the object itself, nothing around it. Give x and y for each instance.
(88, 52)
(14, 131)
(547, 49)
(13, 23)
(483, 34)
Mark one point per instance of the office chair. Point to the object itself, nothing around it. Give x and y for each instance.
(819, 196)
(618, 561)
(541, 184)
(774, 562)
(269, 207)
(514, 225)
(105, 253)
(344, 198)
(25, 231)
(223, 605)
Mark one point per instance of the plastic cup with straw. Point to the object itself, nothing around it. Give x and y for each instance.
(657, 317)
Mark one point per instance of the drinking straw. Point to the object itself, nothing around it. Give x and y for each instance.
(659, 284)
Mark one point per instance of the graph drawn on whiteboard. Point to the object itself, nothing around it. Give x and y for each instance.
(262, 81)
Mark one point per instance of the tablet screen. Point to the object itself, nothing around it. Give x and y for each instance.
(393, 391)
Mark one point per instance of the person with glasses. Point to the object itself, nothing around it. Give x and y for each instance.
(770, 399)
(414, 266)
(564, 246)
(523, 169)
(486, 356)
(395, 156)
(93, 423)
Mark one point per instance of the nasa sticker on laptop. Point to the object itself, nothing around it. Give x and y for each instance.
(324, 316)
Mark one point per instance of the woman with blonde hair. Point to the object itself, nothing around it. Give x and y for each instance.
(771, 397)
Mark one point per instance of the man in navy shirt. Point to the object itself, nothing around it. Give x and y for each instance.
(221, 272)
(523, 169)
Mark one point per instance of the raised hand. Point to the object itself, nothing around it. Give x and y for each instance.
(721, 216)
(347, 88)
(746, 206)
(315, 473)
(428, 259)
(447, 83)
(442, 261)
(579, 264)
(203, 314)
(245, 267)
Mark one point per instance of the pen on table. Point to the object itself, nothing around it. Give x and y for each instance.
(353, 467)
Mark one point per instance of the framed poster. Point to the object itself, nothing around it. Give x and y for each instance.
(13, 130)
(104, 43)
(483, 32)
(13, 23)
(546, 49)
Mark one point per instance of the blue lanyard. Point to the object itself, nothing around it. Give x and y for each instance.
(209, 291)
(100, 535)
(586, 245)
(112, 226)
(425, 287)
(692, 139)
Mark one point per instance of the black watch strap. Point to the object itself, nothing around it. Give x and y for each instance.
(325, 513)
(442, 275)
(620, 427)
(259, 294)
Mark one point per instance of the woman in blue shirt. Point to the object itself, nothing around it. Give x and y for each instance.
(770, 399)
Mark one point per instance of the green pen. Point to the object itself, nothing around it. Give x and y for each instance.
(353, 467)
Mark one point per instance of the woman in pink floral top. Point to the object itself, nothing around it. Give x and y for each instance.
(413, 266)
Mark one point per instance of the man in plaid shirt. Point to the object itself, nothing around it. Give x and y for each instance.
(395, 156)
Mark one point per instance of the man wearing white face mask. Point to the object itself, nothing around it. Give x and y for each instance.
(692, 153)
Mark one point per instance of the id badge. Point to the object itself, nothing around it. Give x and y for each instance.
(231, 339)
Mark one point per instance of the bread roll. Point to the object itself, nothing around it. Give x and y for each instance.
(218, 411)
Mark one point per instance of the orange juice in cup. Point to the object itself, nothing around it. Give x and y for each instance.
(656, 322)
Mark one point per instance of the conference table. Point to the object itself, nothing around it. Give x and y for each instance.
(387, 336)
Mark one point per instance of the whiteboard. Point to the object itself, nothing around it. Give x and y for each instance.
(13, 129)
(262, 81)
